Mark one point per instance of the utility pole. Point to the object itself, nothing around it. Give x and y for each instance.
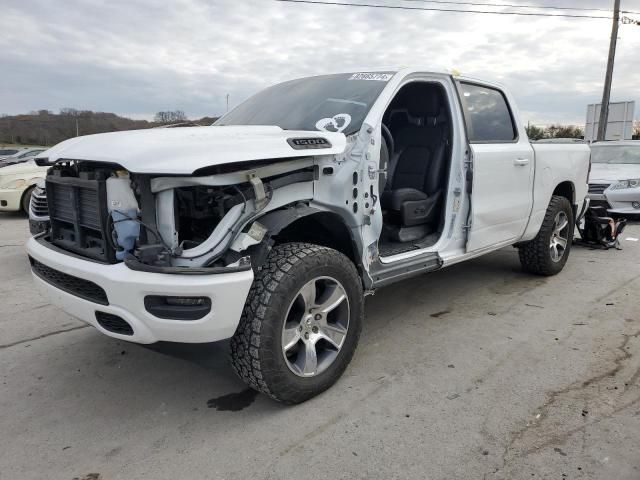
(606, 94)
(77, 129)
(227, 102)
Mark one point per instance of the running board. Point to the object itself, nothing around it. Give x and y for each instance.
(384, 274)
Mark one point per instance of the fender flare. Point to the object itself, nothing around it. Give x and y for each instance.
(278, 220)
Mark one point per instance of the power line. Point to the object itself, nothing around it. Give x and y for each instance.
(542, 7)
(435, 9)
(537, 7)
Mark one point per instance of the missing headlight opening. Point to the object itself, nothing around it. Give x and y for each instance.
(105, 213)
(199, 210)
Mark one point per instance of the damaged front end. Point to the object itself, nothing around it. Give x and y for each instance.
(171, 224)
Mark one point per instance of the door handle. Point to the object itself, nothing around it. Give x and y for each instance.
(521, 162)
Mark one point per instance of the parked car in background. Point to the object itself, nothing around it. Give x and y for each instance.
(614, 181)
(21, 157)
(7, 152)
(16, 184)
(38, 209)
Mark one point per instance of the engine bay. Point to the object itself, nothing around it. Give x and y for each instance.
(105, 213)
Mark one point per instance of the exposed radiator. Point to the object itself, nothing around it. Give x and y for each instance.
(78, 215)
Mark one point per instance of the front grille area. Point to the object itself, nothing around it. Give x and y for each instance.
(78, 215)
(39, 205)
(114, 323)
(70, 201)
(70, 284)
(598, 188)
(38, 226)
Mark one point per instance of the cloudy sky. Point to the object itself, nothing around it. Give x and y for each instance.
(137, 57)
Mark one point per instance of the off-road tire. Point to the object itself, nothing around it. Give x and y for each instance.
(256, 347)
(535, 255)
(25, 201)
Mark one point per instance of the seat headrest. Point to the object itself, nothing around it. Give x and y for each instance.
(403, 117)
(420, 100)
(425, 105)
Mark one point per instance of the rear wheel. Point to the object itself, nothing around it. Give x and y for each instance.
(301, 323)
(548, 252)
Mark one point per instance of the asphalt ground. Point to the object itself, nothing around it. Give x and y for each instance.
(479, 371)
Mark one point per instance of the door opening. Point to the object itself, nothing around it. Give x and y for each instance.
(416, 151)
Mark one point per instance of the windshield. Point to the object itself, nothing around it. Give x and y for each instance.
(30, 154)
(333, 103)
(615, 154)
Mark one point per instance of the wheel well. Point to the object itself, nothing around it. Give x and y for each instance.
(323, 228)
(567, 190)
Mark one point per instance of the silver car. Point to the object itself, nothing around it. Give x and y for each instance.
(614, 181)
(21, 156)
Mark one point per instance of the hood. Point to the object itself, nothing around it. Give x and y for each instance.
(612, 172)
(181, 151)
(22, 169)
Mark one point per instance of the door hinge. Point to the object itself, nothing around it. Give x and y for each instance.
(468, 160)
(373, 172)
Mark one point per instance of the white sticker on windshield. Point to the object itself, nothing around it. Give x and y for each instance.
(380, 77)
(337, 123)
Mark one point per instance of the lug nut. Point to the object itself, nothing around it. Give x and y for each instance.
(315, 329)
(306, 335)
(300, 328)
(318, 316)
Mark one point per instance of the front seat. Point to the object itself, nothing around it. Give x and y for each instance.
(414, 186)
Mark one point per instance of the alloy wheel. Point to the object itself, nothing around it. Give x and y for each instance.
(559, 237)
(316, 326)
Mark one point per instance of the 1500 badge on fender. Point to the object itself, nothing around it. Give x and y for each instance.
(306, 143)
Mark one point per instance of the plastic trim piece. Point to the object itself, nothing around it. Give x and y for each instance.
(157, 306)
(386, 274)
(134, 264)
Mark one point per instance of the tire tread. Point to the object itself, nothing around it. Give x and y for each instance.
(534, 254)
(247, 358)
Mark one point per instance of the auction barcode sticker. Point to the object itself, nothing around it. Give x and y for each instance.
(380, 77)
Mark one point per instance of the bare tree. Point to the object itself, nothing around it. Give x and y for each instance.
(69, 111)
(47, 128)
(169, 117)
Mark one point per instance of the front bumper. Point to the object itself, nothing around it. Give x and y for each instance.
(625, 201)
(126, 290)
(10, 200)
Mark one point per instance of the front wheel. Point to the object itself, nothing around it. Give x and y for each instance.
(301, 322)
(548, 252)
(26, 200)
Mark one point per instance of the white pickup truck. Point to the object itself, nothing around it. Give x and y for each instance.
(271, 226)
